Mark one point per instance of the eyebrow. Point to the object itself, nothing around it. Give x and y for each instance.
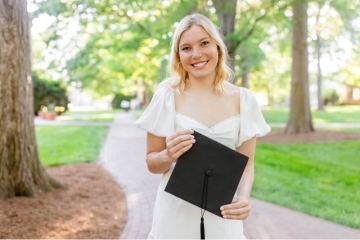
(202, 39)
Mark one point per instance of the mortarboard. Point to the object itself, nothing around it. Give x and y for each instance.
(207, 175)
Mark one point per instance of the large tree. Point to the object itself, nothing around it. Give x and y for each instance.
(21, 173)
(300, 120)
(243, 23)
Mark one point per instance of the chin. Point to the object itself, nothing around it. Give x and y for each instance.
(203, 75)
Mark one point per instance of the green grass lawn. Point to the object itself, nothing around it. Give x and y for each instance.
(332, 114)
(69, 144)
(336, 114)
(320, 179)
(92, 116)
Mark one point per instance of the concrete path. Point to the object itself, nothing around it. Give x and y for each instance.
(123, 155)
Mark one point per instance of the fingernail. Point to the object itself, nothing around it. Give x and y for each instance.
(222, 208)
(223, 212)
(224, 217)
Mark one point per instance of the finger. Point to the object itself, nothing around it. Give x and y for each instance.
(180, 140)
(182, 151)
(177, 150)
(238, 217)
(239, 211)
(235, 205)
(179, 133)
(184, 145)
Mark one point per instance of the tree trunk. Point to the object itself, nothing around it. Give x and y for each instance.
(226, 11)
(245, 77)
(300, 115)
(21, 173)
(319, 73)
(270, 96)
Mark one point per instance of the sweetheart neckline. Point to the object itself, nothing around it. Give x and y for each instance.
(210, 128)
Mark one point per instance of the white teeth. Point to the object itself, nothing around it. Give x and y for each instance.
(199, 64)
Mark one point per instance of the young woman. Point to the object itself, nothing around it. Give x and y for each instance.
(199, 96)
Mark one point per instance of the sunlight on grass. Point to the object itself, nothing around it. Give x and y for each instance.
(92, 112)
(320, 179)
(335, 109)
(89, 116)
(335, 114)
(95, 117)
(69, 144)
(319, 120)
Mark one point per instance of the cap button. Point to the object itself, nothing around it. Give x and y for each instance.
(208, 172)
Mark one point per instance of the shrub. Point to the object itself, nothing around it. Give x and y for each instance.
(49, 94)
(331, 97)
(118, 98)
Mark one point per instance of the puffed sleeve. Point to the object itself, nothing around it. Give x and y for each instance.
(159, 116)
(252, 122)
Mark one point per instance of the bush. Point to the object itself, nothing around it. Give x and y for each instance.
(118, 98)
(331, 97)
(49, 94)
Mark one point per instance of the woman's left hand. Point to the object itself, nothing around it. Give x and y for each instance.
(239, 209)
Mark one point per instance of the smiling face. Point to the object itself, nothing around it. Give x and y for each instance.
(198, 53)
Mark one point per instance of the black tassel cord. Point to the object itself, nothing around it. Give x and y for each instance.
(202, 228)
(203, 206)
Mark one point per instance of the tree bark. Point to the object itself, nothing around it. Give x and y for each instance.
(245, 77)
(319, 73)
(21, 173)
(318, 56)
(226, 11)
(300, 120)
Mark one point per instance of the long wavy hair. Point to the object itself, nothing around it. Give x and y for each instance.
(179, 76)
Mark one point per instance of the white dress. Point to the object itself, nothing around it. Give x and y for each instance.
(173, 217)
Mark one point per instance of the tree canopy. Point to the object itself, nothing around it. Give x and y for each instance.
(112, 44)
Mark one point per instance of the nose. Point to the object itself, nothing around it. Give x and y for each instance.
(197, 53)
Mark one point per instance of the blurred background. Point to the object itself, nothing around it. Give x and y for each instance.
(102, 52)
(97, 63)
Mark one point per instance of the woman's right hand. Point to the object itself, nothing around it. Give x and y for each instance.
(179, 143)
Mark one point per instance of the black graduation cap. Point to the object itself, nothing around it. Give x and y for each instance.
(207, 175)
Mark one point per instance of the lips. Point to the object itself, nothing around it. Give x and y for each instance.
(199, 64)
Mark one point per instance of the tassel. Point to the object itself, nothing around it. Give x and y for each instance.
(203, 203)
(202, 228)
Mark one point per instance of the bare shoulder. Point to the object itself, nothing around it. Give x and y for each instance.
(232, 94)
(231, 89)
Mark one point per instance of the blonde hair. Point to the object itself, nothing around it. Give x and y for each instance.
(179, 75)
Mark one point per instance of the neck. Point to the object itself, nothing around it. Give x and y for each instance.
(202, 84)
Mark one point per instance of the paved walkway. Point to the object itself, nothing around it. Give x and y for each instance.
(123, 155)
